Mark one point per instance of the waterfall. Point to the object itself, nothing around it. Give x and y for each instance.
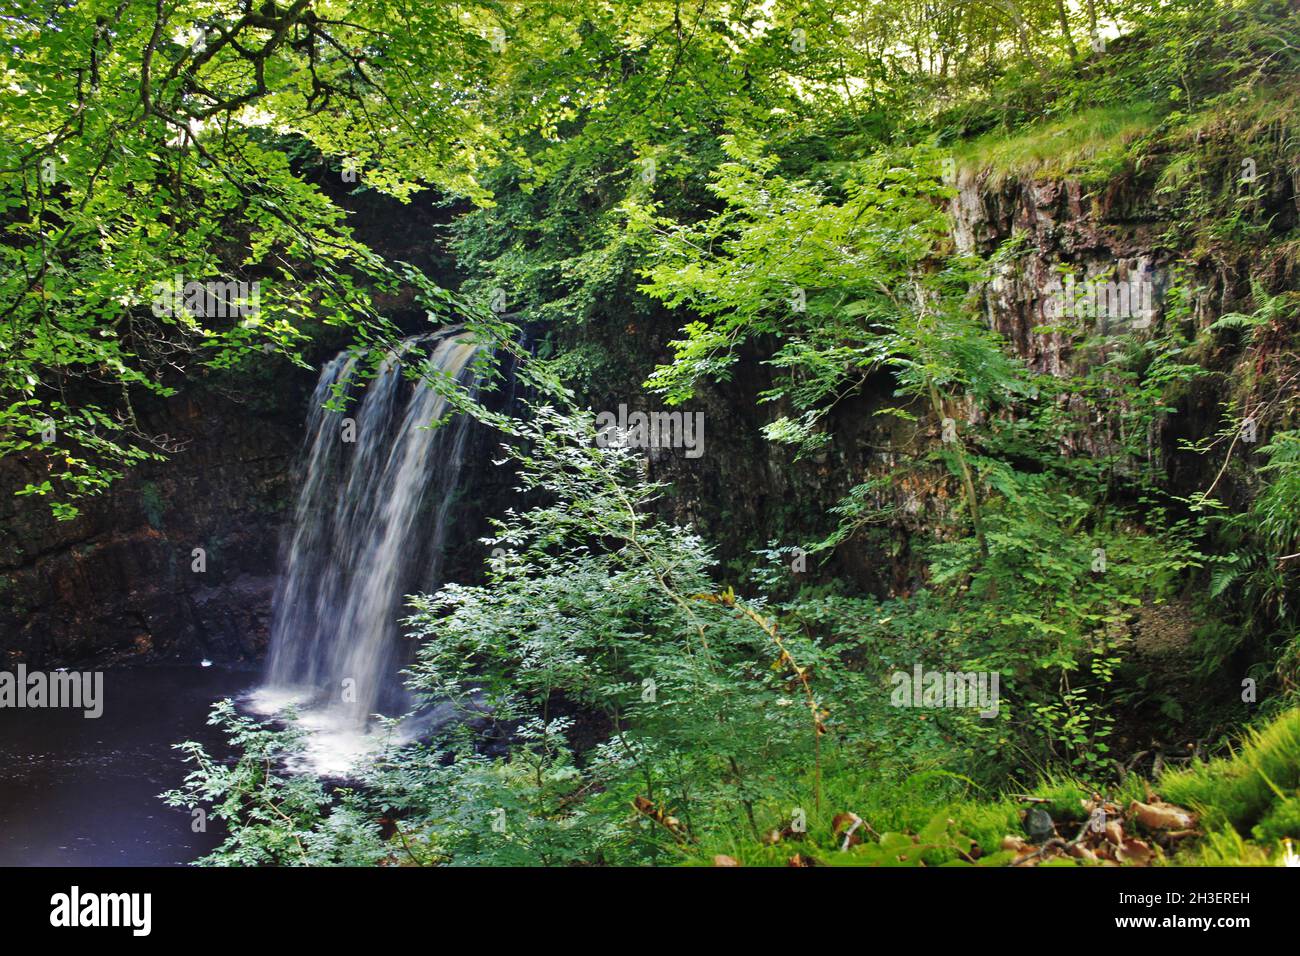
(370, 526)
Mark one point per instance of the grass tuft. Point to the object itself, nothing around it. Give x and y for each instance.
(1089, 142)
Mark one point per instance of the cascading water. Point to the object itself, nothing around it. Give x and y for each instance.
(370, 526)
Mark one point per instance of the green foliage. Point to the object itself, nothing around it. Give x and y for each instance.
(938, 819)
(1041, 591)
(847, 286)
(1267, 539)
(610, 696)
(273, 816)
(597, 604)
(143, 143)
(1253, 791)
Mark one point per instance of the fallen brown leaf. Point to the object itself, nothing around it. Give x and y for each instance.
(1114, 832)
(1162, 816)
(1134, 853)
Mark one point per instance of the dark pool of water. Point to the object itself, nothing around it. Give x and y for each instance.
(81, 792)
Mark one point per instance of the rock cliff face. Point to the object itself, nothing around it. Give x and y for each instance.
(119, 582)
(1123, 237)
(1068, 233)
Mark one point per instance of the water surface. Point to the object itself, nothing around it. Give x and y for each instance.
(80, 792)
